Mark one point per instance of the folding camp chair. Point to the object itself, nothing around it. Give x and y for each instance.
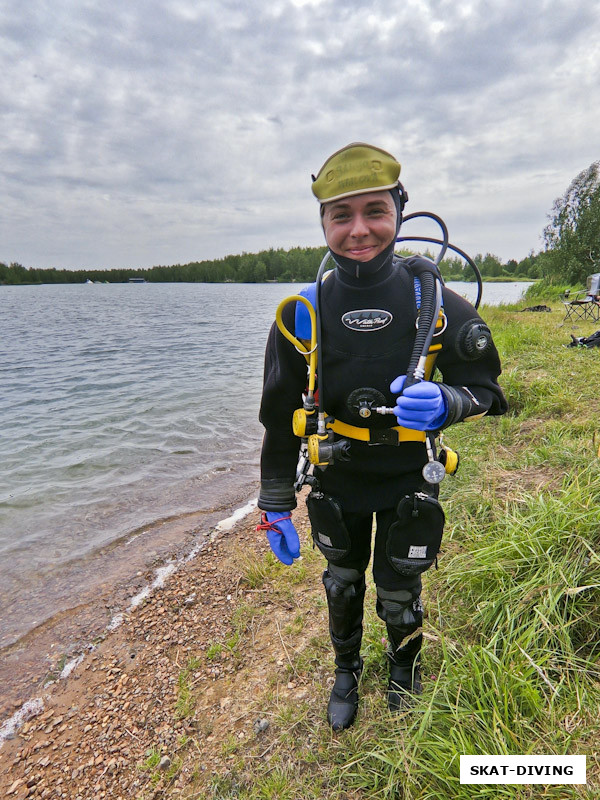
(585, 304)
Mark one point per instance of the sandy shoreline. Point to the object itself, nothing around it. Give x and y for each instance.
(96, 604)
(96, 727)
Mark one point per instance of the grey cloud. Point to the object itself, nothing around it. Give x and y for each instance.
(179, 111)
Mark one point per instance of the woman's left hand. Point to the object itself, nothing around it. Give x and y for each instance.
(421, 406)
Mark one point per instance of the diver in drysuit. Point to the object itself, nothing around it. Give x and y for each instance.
(368, 307)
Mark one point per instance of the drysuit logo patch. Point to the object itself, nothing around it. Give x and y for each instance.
(367, 319)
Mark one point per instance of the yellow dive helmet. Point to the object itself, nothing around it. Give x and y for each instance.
(355, 169)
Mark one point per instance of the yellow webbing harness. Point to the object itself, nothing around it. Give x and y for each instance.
(393, 436)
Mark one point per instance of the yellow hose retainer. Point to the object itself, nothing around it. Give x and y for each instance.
(309, 353)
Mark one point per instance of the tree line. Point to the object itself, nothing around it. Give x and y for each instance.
(571, 252)
(285, 266)
(299, 264)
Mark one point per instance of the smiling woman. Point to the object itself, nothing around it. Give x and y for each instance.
(360, 227)
(369, 290)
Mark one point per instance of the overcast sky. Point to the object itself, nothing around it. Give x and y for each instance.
(146, 132)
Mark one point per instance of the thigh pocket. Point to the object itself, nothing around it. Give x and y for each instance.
(329, 530)
(414, 539)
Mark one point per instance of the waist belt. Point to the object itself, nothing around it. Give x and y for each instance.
(393, 436)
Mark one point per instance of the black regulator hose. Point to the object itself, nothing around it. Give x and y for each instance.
(461, 253)
(445, 241)
(431, 301)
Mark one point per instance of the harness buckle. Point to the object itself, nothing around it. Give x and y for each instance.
(384, 436)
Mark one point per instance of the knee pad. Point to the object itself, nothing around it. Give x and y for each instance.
(329, 531)
(401, 608)
(343, 582)
(414, 539)
(345, 598)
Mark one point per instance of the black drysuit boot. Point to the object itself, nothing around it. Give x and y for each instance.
(343, 700)
(405, 669)
(345, 590)
(402, 613)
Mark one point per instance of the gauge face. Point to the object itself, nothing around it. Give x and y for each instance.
(434, 472)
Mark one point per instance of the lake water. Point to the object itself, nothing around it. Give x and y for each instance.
(125, 407)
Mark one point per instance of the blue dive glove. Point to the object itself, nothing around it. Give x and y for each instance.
(281, 534)
(421, 406)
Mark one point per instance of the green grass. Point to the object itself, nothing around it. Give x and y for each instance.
(186, 700)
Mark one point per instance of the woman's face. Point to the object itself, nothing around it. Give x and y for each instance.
(360, 227)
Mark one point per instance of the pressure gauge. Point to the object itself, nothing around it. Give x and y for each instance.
(434, 472)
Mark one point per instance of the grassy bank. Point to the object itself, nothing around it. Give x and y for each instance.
(513, 616)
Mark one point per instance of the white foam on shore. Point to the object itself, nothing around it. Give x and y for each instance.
(240, 513)
(68, 668)
(115, 622)
(162, 573)
(32, 708)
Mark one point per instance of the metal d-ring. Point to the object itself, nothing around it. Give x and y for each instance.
(437, 333)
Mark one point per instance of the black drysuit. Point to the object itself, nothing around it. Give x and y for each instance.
(376, 476)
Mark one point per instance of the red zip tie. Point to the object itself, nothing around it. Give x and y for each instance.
(265, 525)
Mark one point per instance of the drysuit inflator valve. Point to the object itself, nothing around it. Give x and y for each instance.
(366, 401)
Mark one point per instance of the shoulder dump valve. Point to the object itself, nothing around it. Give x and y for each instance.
(473, 340)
